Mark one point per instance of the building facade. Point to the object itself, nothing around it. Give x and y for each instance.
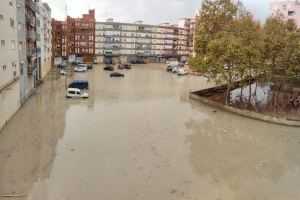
(46, 39)
(127, 42)
(289, 9)
(9, 62)
(75, 36)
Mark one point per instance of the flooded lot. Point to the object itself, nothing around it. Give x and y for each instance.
(265, 98)
(141, 138)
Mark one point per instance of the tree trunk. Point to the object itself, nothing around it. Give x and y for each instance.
(228, 95)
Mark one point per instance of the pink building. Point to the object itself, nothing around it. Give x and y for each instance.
(290, 9)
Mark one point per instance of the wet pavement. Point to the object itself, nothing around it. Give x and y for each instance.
(140, 137)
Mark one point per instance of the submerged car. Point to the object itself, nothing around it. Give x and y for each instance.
(175, 69)
(80, 68)
(116, 74)
(181, 72)
(76, 93)
(79, 84)
(169, 68)
(89, 65)
(109, 68)
(63, 72)
(127, 66)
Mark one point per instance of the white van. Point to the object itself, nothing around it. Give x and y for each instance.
(81, 68)
(76, 93)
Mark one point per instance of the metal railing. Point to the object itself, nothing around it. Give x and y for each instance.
(30, 19)
(32, 5)
(31, 68)
(31, 35)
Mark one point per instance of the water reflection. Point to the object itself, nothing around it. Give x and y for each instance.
(244, 159)
(279, 101)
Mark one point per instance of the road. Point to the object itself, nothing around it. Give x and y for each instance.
(141, 138)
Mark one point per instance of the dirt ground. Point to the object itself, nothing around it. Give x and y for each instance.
(141, 138)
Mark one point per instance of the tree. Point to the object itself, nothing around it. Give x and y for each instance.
(226, 43)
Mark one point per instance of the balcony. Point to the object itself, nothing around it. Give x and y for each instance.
(32, 52)
(31, 36)
(31, 68)
(38, 37)
(32, 6)
(30, 19)
(38, 23)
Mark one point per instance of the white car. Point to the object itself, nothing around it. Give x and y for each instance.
(76, 93)
(181, 72)
(81, 68)
(63, 72)
(175, 69)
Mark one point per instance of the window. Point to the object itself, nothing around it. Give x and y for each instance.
(291, 13)
(21, 68)
(284, 7)
(1, 17)
(19, 26)
(12, 22)
(20, 45)
(4, 67)
(11, 3)
(13, 45)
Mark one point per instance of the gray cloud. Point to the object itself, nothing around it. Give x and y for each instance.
(150, 11)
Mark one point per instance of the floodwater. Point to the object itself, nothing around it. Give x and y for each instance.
(141, 138)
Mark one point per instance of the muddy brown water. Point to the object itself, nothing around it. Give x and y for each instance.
(140, 137)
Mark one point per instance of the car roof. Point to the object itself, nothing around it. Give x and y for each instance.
(80, 81)
(73, 89)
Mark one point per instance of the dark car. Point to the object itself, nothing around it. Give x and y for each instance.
(169, 68)
(121, 66)
(79, 84)
(116, 74)
(136, 62)
(89, 65)
(109, 68)
(127, 66)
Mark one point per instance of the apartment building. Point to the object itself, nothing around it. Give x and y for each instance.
(290, 9)
(75, 36)
(9, 62)
(137, 41)
(46, 38)
(33, 37)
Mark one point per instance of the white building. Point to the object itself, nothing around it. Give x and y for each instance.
(9, 62)
(46, 38)
(137, 41)
(290, 9)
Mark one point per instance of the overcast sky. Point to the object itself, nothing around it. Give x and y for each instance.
(150, 11)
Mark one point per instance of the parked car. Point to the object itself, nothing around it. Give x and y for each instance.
(175, 69)
(76, 93)
(138, 62)
(169, 68)
(81, 68)
(109, 68)
(181, 72)
(79, 84)
(127, 65)
(96, 62)
(116, 74)
(63, 72)
(121, 66)
(89, 65)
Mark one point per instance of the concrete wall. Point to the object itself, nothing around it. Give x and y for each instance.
(9, 63)
(9, 103)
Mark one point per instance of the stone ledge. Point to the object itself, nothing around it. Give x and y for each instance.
(245, 113)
